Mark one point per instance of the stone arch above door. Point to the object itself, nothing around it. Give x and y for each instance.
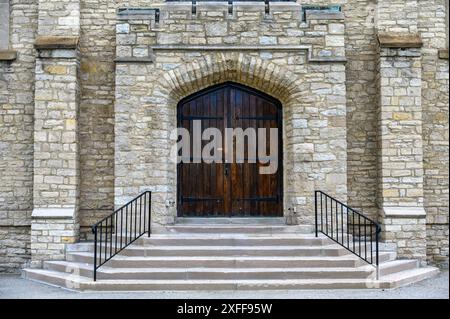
(216, 68)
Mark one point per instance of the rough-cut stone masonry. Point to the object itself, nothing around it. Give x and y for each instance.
(96, 129)
(435, 79)
(400, 146)
(100, 170)
(16, 137)
(298, 63)
(56, 182)
(400, 159)
(360, 46)
(14, 248)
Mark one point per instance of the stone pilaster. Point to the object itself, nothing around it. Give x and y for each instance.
(400, 161)
(55, 219)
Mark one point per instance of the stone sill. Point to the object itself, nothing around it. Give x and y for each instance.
(399, 40)
(404, 212)
(134, 60)
(321, 15)
(8, 55)
(443, 54)
(51, 213)
(56, 42)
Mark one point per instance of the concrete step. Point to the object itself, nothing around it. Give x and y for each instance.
(211, 240)
(230, 255)
(122, 261)
(407, 277)
(233, 240)
(396, 266)
(235, 229)
(77, 282)
(228, 261)
(85, 283)
(105, 272)
(159, 250)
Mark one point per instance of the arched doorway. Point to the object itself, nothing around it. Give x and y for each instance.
(236, 188)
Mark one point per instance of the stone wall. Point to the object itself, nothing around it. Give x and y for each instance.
(427, 20)
(397, 16)
(300, 63)
(14, 248)
(16, 137)
(96, 123)
(361, 52)
(59, 17)
(323, 116)
(435, 76)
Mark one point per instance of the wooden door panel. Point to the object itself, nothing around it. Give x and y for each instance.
(224, 189)
(254, 193)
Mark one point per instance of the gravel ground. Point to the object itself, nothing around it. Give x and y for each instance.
(14, 287)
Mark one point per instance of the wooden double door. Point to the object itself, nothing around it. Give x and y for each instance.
(235, 188)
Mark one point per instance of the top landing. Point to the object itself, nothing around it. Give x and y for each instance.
(238, 226)
(269, 221)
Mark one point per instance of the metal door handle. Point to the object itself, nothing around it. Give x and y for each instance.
(226, 171)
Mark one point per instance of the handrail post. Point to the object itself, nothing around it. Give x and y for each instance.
(149, 212)
(315, 210)
(376, 247)
(95, 252)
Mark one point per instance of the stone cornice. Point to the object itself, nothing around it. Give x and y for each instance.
(8, 55)
(399, 40)
(56, 42)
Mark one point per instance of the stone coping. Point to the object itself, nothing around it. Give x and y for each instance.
(399, 40)
(60, 213)
(56, 42)
(404, 212)
(8, 55)
(443, 54)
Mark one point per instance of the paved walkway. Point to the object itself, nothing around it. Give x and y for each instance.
(14, 287)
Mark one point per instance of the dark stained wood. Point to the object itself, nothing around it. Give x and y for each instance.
(230, 189)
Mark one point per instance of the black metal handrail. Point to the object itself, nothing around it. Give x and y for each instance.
(118, 230)
(347, 227)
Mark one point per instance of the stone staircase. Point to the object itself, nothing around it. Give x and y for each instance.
(223, 254)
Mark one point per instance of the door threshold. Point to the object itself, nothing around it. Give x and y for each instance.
(231, 220)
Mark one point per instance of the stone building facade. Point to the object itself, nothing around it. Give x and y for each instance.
(89, 89)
